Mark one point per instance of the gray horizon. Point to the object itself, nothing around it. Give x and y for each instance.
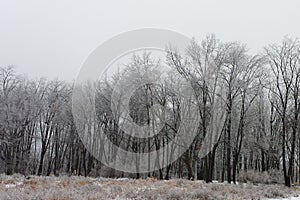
(53, 39)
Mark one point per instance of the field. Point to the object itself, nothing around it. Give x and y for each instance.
(63, 188)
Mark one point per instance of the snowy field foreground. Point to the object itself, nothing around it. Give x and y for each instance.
(63, 188)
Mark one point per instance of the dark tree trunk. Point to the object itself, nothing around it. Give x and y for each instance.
(228, 146)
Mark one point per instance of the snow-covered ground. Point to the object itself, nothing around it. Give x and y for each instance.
(63, 188)
(290, 198)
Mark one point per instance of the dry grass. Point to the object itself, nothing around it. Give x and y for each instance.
(65, 188)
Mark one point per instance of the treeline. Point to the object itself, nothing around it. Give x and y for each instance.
(259, 97)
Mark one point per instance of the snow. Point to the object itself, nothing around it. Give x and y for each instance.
(291, 198)
(10, 185)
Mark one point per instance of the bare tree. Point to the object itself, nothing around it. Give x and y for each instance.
(284, 63)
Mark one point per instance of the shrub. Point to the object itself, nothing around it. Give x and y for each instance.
(270, 177)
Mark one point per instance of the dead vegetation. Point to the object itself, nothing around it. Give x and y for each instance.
(65, 188)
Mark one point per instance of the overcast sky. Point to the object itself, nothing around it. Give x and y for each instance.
(53, 38)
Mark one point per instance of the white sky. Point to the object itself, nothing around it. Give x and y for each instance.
(53, 38)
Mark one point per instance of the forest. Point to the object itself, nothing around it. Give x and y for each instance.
(251, 102)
